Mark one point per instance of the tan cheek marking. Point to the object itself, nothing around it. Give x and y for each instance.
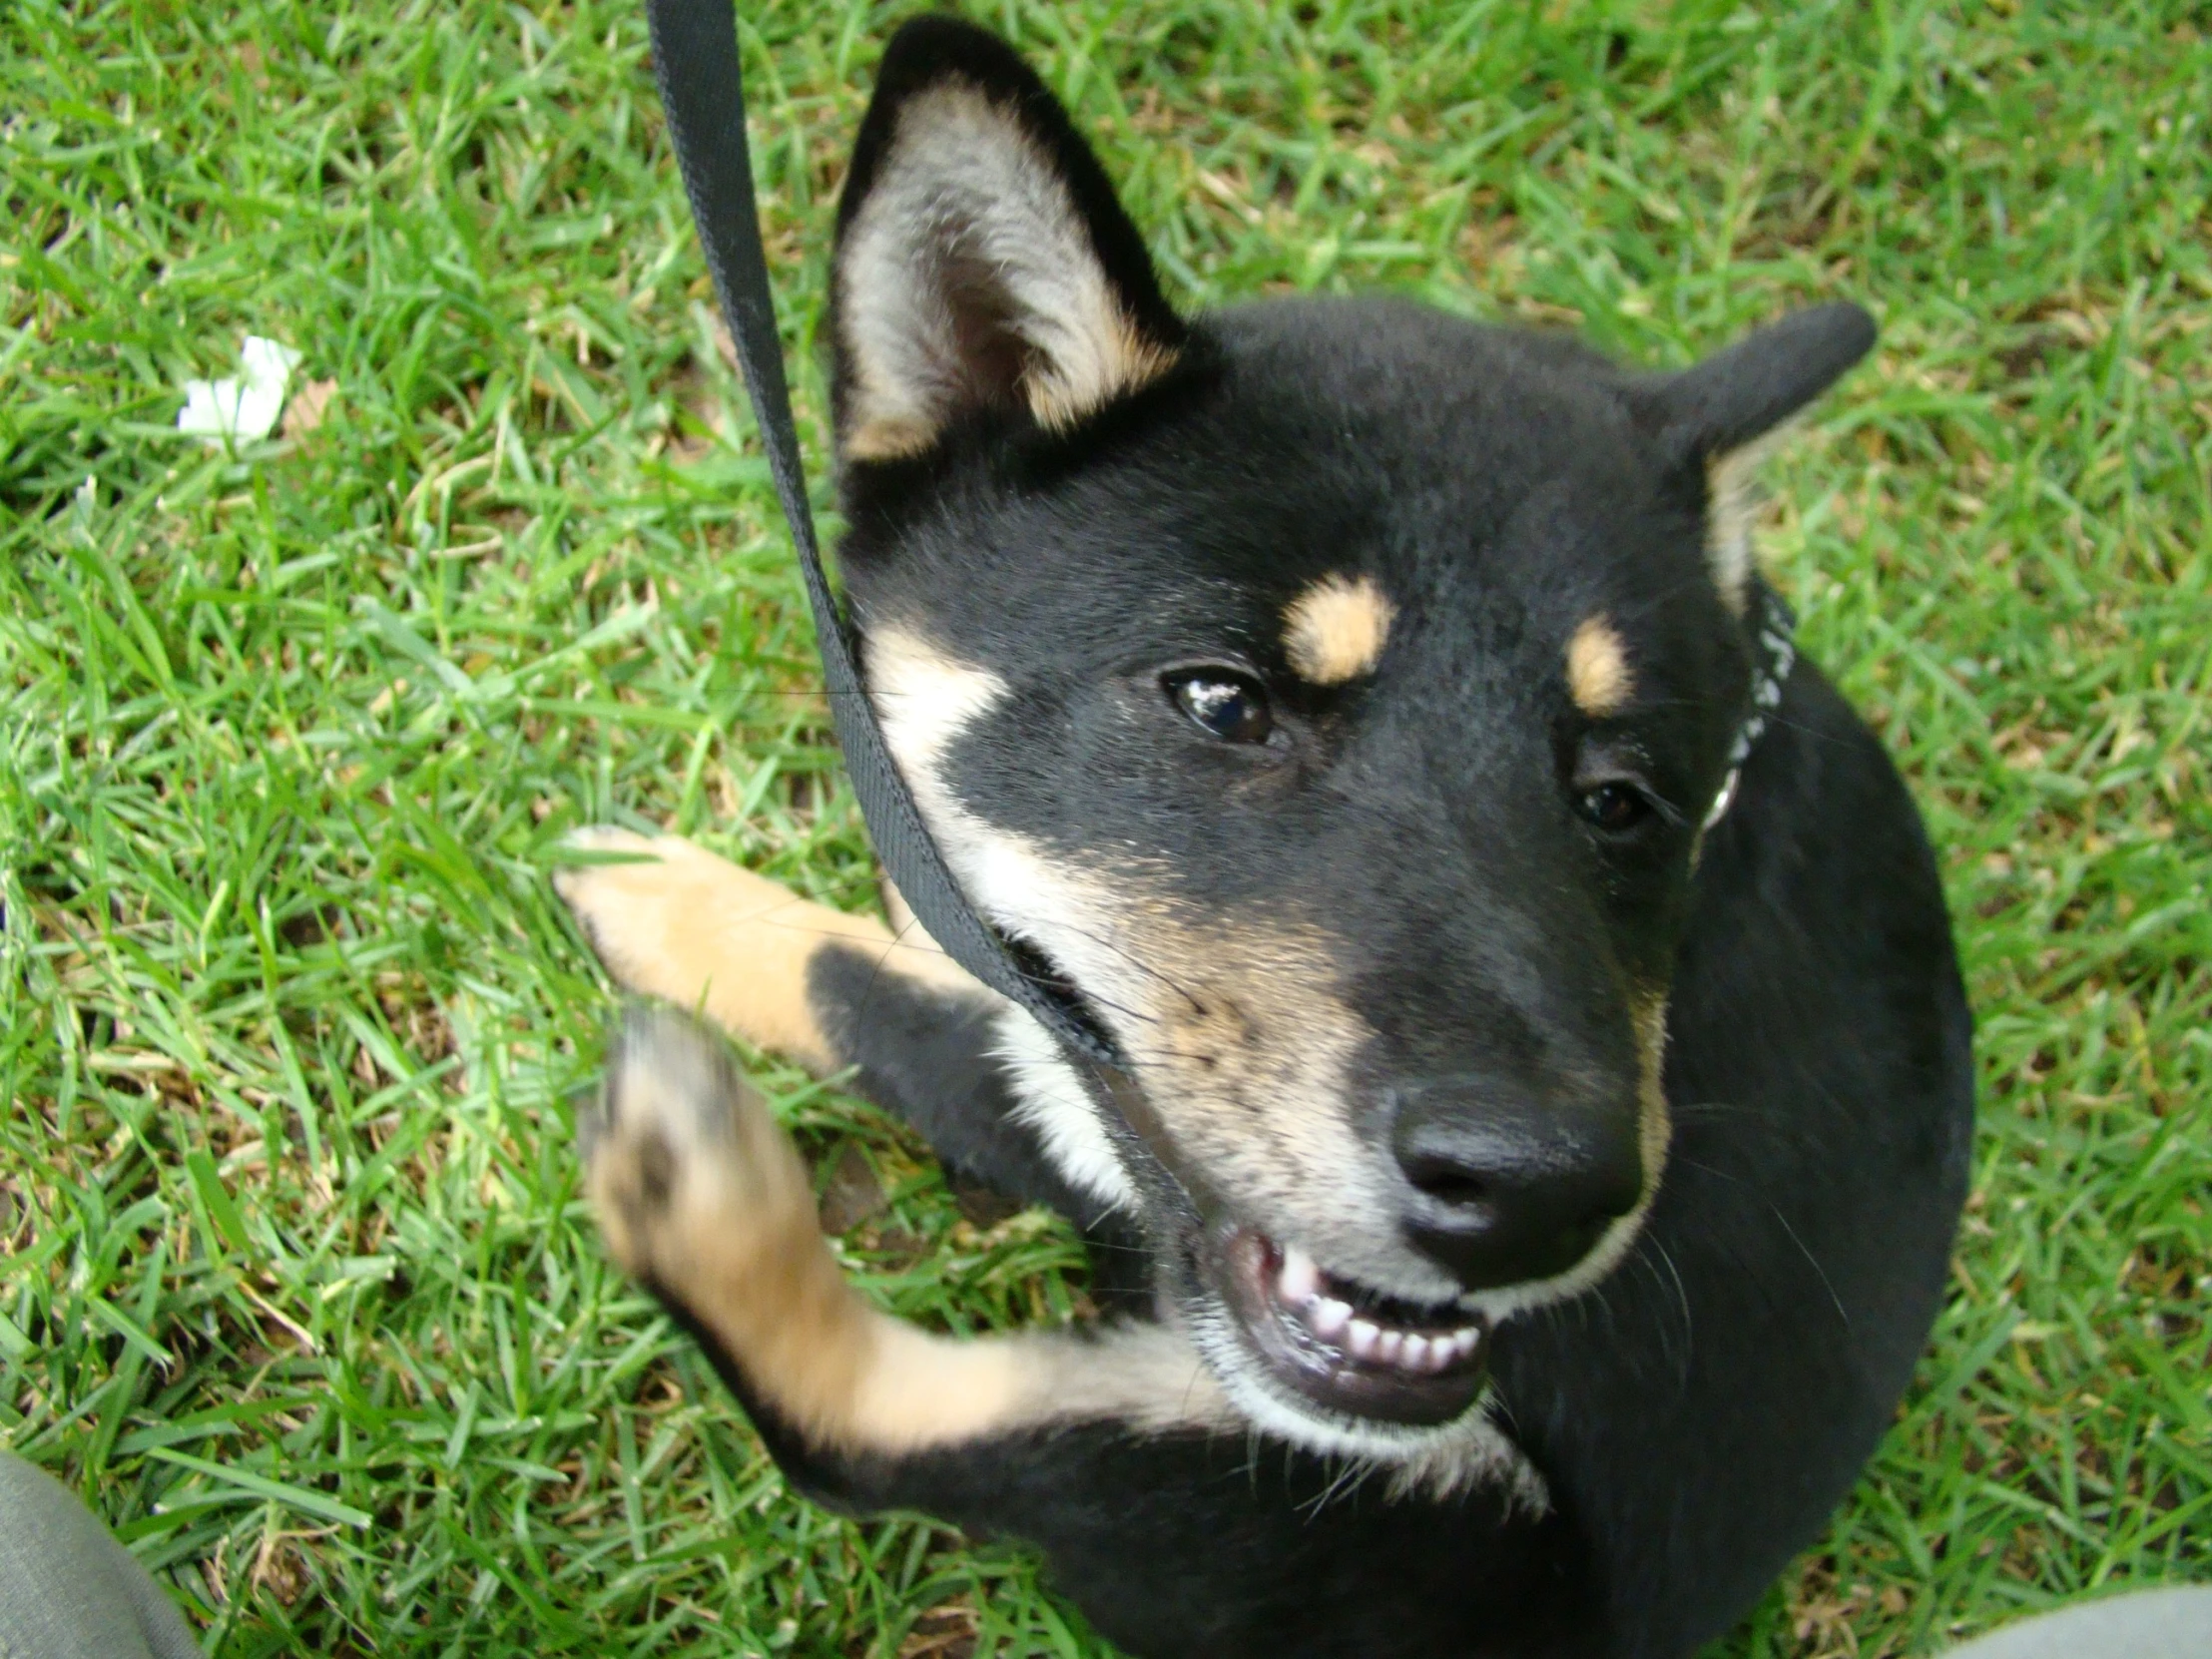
(1655, 1122)
(698, 931)
(1335, 630)
(1245, 1052)
(1597, 669)
(701, 1194)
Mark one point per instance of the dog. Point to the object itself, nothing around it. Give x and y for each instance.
(1348, 706)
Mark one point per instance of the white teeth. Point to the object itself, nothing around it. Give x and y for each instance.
(1426, 1355)
(1300, 1284)
(1301, 1278)
(1328, 1317)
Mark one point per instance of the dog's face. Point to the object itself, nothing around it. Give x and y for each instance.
(1331, 693)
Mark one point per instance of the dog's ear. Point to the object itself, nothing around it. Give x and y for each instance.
(1717, 414)
(983, 259)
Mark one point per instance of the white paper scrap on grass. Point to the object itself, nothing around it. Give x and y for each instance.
(242, 409)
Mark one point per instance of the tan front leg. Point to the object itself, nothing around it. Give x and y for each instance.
(702, 1197)
(697, 930)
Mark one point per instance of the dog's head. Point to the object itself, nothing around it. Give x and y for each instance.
(1331, 693)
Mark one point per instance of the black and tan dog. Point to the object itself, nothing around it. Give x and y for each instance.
(1340, 698)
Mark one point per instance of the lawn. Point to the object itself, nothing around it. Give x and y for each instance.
(297, 1289)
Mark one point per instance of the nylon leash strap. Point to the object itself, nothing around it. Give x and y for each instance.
(695, 61)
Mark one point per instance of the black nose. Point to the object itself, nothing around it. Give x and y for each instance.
(1509, 1189)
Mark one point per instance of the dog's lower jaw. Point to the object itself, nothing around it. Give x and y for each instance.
(1437, 1462)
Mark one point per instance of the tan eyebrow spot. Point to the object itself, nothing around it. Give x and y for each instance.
(1597, 669)
(1335, 630)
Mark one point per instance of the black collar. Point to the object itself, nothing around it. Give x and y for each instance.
(1773, 648)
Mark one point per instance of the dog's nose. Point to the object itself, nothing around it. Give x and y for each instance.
(1511, 1193)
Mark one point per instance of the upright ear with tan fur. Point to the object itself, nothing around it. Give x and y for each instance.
(1721, 415)
(984, 262)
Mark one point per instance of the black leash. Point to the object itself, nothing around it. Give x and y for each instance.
(695, 60)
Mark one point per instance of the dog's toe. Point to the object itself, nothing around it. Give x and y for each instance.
(666, 1067)
(582, 885)
(682, 1157)
(623, 900)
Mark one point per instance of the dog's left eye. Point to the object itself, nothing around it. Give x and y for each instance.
(1615, 807)
(1227, 705)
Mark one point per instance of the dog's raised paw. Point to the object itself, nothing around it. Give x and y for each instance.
(691, 1176)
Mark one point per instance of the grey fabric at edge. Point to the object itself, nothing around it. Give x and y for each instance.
(2148, 1624)
(68, 1590)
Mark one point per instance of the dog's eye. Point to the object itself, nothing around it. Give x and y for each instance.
(1615, 807)
(1227, 705)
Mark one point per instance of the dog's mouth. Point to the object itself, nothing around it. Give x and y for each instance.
(1345, 1347)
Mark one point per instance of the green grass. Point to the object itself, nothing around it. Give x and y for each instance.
(297, 1290)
